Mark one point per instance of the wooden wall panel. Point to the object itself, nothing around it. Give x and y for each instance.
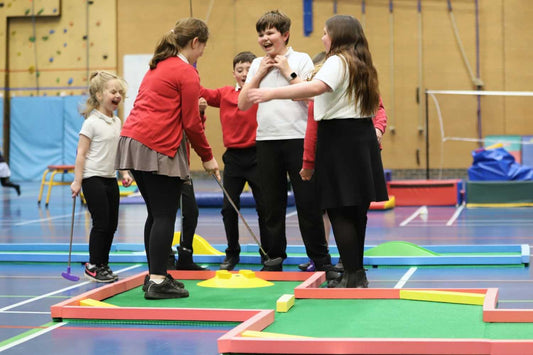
(121, 27)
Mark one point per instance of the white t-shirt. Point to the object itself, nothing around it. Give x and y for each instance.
(282, 119)
(104, 133)
(335, 103)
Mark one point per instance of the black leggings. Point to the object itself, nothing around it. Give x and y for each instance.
(189, 213)
(349, 228)
(161, 194)
(102, 196)
(6, 182)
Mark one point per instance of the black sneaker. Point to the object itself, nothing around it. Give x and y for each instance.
(176, 282)
(189, 266)
(272, 268)
(110, 272)
(229, 263)
(98, 274)
(165, 290)
(339, 267)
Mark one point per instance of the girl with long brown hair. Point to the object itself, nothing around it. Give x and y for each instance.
(348, 164)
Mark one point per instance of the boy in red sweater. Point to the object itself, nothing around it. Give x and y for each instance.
(240, 164)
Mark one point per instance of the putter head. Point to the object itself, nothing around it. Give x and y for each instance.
(67, 275)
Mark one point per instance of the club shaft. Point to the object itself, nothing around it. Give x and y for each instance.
(71, 230)
(241, 216)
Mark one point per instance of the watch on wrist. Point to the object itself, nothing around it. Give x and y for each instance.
(293, 76)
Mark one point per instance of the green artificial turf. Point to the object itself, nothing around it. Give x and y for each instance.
(207, 297)
(363, 318)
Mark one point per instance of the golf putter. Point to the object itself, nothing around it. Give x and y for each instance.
(67, 275)
(268, 262)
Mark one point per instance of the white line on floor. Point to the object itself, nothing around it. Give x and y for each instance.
(419, 211)
(45, 219)
(405, 277)
(58, 291)
(455, 215)
(31, 336)
(293, 213)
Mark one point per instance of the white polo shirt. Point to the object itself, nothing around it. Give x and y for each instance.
(104, 133)
(282, 119)
(335, 103)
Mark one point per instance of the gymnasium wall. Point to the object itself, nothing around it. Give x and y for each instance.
(407, 56)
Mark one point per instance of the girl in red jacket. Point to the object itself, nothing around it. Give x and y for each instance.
(153, 148)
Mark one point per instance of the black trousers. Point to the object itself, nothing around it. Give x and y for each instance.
(275, 160)
(189, 213)
(161, 194)
(240, 166)
(102, 197)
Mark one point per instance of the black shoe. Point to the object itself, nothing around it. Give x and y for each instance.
(185, 261)
(176, 282)
(352, 279)
(229, 263)
(332, 276)
(339, 267)
(165, 290)
(110, 272)
(98, 274)
(189, 266)
(304, 266)
(272, 268)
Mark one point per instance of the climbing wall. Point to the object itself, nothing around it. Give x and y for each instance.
(53, 45)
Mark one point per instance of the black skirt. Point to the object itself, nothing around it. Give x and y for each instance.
(348, 164)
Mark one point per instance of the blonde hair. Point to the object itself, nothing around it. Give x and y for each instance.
(97, 82)
(184, 31)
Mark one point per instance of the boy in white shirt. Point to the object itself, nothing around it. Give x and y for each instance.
(280, 137)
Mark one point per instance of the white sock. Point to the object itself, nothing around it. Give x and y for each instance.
(157, 281)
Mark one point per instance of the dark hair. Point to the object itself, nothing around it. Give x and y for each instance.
(274, 19)
(97, 84)
(348, 40)
(177, 38)
(243, 57)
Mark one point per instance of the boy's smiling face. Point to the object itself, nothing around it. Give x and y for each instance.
(272, 41)
(240, 72)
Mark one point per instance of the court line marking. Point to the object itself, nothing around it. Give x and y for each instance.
(405, 277)
(290, 214)
(455, 215)
(31, 336)
(46, 219)
(419, 211)
(58, 291)
(25, 312)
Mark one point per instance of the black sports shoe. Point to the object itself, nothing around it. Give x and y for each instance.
(176, 282)
(165, 290)
(339, 267)
(110, 272)
(229, 263)
(98, 274)
(353, 279)
(272, 268)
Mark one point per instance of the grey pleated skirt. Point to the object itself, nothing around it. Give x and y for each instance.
(348, 164)
(133, 155)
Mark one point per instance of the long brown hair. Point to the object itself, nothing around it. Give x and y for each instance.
(348, 40)
(177, 38)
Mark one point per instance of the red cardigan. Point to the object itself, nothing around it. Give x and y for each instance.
(380, 122)
(238, 127)
(167, 104)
